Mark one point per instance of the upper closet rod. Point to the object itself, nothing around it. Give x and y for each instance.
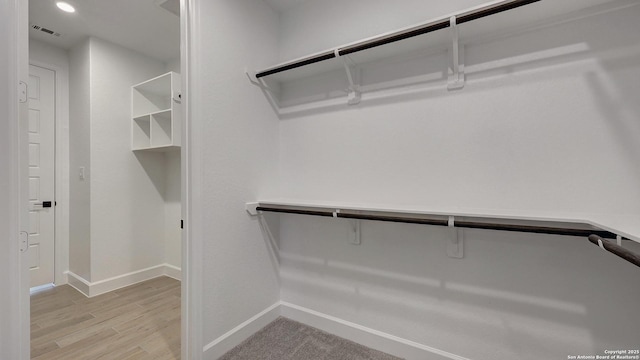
(401, 35)
(614, 248)
(444, 222)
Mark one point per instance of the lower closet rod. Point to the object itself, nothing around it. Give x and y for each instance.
(439, 222)
(616, 249)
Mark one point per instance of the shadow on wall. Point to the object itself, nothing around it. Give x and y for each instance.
(270, 227)
(621, 123)
(153, 165)
(617, 101)
(513, 293)
(522, 134)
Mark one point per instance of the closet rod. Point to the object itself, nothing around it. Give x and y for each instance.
(306, 61)
(616, 249)
(443, 222)
(401, 35)
(436, 25)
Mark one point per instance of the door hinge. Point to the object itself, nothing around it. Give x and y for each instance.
(22, 91)
(24, 241)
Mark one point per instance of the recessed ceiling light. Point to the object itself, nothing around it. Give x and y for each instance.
(66, 7)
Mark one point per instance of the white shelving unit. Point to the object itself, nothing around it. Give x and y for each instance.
(156, 119)
(618, 225)
(406, 60)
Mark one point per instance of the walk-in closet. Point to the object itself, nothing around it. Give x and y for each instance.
(432, 180)
(322, 179)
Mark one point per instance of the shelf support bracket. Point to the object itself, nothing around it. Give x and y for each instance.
(353, 92)
(259, 82)
(268, 92)
(455, 246)
(354, 234)
(456, 77)
(252, 208)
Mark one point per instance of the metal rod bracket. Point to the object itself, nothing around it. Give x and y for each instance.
(614, 248)
(252, 208)
(259, 82)
(271, 95)
(455, 246)
(456, 76)
(252, 77)
(353, 91)
(619, 240)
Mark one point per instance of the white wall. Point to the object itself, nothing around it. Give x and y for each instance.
(57, 59)
(172, 197)
(239, 137)
(79, 156)
(547, 123)
(173, 210)
(119, 218)
(127, 205)
(43, 52)
(542, 116)
(173, 65)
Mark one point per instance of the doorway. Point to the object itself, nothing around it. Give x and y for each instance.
(41, 95)
(14, 223)
(124, 202)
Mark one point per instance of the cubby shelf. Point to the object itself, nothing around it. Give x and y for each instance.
(156, 120)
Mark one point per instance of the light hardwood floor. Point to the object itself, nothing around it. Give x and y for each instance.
(141, 321)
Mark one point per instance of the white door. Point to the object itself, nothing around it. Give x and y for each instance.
(41, 175)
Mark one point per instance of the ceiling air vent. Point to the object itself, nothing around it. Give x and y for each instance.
(45, 30)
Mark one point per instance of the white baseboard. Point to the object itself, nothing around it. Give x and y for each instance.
(91, 289)
(173, 272)
(78, 283)
(374, 339)
(235, 336)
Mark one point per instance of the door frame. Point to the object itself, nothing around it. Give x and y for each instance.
(14, 319)
(61, 168)
(192, 243)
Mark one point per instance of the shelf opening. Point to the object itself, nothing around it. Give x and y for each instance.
(161, 134)
(141, 136)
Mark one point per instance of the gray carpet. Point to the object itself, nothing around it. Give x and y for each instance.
(286, 339)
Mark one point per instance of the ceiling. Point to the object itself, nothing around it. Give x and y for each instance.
(141, 25)
(283, 5)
